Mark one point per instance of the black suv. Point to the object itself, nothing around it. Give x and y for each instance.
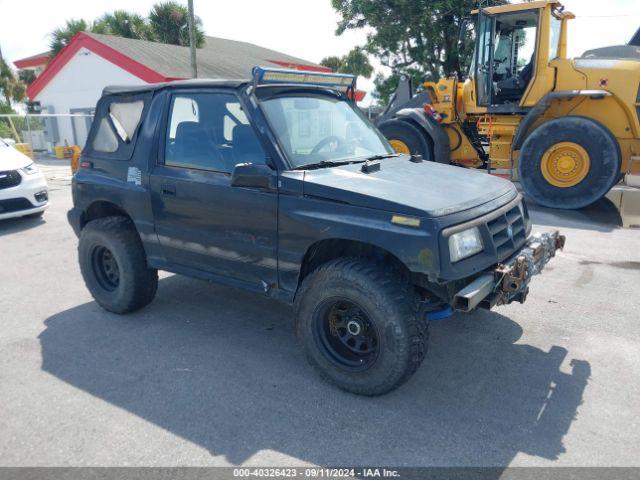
(280, 185)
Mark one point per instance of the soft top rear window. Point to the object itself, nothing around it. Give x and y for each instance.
(118, 119)
(126, 118)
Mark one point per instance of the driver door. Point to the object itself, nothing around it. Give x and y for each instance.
(202, 221)
(484, 59)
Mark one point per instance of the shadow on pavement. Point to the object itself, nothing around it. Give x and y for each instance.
(20, 224)
(221, 368)
(601, 216)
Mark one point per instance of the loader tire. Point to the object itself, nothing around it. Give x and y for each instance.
(569, 163)
(406, 138)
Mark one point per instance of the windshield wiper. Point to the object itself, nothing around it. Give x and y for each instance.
(337, 163)
(380, 157)
(326, 163)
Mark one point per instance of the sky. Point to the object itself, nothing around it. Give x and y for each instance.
(302, 28)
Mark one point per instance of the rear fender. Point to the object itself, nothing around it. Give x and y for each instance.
(543, 105)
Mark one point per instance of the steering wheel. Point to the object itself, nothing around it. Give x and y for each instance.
(326, 141)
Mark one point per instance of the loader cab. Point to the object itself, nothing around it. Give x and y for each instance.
(515, 44)
(506, 48)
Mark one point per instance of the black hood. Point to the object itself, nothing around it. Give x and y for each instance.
(424, 189)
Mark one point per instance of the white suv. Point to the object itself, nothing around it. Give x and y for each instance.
(23, 189)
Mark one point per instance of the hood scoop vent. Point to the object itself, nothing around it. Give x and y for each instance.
(368, 167)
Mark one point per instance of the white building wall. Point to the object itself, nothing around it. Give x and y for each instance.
(79, 84)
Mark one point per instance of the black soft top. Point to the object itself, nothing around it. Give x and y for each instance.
(150, 87)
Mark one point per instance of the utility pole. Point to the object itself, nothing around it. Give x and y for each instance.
(192, 40)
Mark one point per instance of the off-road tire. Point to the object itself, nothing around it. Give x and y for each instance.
(137, 283)
(604, 170)
(419, 142)
(391, 305)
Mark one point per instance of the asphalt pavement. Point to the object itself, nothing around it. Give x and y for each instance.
(209, 375)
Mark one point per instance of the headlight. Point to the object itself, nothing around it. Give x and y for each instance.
(464, 244)
(30, 169)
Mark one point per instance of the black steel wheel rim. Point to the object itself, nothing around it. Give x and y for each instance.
(346, 335)
(105, 268)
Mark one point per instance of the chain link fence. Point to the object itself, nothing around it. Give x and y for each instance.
(47, 132)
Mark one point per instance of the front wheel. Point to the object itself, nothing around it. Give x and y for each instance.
(569, 163)
(359, 326)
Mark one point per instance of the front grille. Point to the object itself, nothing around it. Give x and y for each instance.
(508, 231)
(9, 179)
(14, 205)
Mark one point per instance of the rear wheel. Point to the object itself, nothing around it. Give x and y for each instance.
(359, 326)
(406, 138)
(569, 163)
(114, 267)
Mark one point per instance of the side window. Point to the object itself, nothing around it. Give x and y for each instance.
(209, 131)
(105, 140)
(483, 60)
(117, 126)
(554, 37)
(234, 116)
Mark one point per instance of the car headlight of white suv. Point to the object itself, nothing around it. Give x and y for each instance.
(30, 169)
(465, 244)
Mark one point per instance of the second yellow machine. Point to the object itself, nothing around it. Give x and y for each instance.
(567, 129)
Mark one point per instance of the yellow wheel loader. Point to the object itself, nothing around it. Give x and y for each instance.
(566, 129)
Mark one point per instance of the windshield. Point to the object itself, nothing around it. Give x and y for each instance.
(320, 128)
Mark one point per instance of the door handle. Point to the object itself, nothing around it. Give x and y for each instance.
(168, 189)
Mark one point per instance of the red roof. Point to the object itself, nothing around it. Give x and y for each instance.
(33, 60)
(80, 40)
(93, 43)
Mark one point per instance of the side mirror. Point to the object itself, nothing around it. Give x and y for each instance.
(253, 175)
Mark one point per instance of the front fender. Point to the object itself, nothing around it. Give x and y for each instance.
(305, 222)
(441, 150)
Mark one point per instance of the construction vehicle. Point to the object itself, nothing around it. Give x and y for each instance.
(566, 129)
(630, 50)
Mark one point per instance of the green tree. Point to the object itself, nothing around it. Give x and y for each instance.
(169, 23)
(124, 24)
(11, 88)
(26, 76)
(419, 37)
(5, 128)
(7, 82)
(334, 63)
(62, 35)
(356, 62)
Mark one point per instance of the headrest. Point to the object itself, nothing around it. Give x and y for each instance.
(189, 128)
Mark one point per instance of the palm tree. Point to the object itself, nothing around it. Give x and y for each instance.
(62, 35)
(10, 86)
(123, 24)
(169, 22)
(356, 62)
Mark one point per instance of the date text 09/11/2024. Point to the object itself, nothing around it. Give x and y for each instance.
(319, 472)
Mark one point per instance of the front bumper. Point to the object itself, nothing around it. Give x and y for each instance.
(30, 196)
(509, 280)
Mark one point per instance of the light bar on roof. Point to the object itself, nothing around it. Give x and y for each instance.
(340, 81)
